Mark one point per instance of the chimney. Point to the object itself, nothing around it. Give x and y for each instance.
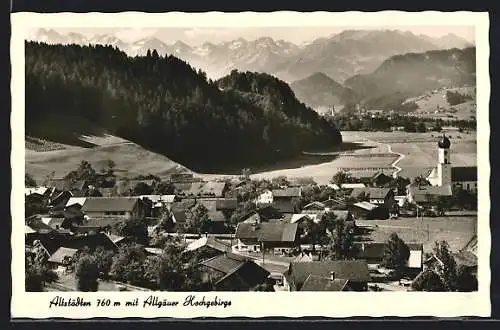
(332, 276)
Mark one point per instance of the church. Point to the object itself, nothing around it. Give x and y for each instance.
(444, 174)
(444, 177)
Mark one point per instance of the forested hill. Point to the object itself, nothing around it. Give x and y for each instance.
(165, 105)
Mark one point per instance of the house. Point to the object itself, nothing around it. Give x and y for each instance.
(380, 179)
(354, 271)
(377, 196)
(232, 272)
(62, 258)
(208, 247)
(284, 206)
(118, 240)
(464, 177)
(373, 253)
(35, 190)
(52, 243)
(335, 204)
(280, 237)
(287, 193)
(121, 207)
(368, 211)
(348, 186)
(423, 195)
(314, 207)
(325, 283)
(265, 197)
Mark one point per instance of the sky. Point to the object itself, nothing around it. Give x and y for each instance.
(297, 35)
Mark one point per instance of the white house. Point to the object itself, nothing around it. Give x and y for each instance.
(265, 197)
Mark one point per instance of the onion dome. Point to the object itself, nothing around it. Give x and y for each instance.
(444, 142)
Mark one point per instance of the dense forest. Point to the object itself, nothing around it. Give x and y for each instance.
(165, 105)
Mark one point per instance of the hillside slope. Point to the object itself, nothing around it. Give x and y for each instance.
(164, 105)
(403, 76)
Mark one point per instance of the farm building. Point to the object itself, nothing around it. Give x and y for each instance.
(121, 207)
(281, 237)
(368, 211)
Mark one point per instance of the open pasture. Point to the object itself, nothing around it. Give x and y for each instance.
(457, 231)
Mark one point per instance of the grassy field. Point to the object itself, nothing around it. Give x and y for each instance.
(434, 104)
(457, 231)
(130, 159)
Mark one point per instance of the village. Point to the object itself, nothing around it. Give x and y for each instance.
(93, 231)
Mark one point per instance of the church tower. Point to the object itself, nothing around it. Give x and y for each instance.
(444, 162)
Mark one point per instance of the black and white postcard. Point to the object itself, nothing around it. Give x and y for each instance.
(250, 164)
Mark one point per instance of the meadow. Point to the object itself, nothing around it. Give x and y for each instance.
(456, 230)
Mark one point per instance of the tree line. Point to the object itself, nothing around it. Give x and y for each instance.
(164, 104)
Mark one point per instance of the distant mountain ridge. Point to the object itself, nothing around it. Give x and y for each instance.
(408, 75)
(340, 56)
(319, 90)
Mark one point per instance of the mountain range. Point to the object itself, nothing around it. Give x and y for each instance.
(339, 56)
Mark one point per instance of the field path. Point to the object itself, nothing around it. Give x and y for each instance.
(389, 149)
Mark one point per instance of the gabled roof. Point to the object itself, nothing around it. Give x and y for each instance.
(210, 188)
(111, 204)
(76, 200)
(210, 242)
(314, 206)
(420, 192)
(283, 205)
(61, 253)
(287, 192)
(323, 283)
(242, 270)
(226, 263)
(267, 232)
(115, 238)
(35, 190)
(352, 185)
(351, 270)
(375, 193)
(300, 216)
(366, 206)
(465, 173)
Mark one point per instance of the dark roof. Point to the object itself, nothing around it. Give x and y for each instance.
(323, 283)
(284, 206)
(351, 270)
(376, 193)
(226, 204)
(98, 204)
(180, 216)
(51, 244)
(226, 263)
(245, 270)
(465, 173)
(287, 192)
(267, 231)
(61, 253)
